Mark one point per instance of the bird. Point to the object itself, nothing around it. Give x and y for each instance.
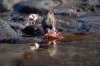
(32, 19)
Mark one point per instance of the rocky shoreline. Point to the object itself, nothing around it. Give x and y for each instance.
(67, 17)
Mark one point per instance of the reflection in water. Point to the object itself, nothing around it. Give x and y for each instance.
(62, 54)
(52, 50)
(68, 54)
(49, 43)
(34, 47)
(36, 57)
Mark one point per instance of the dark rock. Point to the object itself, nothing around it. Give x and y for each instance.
(40, 6)
(82, 26)
(17, 18)
(21, 8)
(60, 1)
(6, 30)
(32, 30)
(98, 6)
(2, 8)
(61, 13)
(92, 9)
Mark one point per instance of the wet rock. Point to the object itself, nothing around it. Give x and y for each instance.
(8, 33)
(98, 6)
(40, 7)
(62, 13)
(17, 18)
(21, 8)
(64, 26)
(6, 30)
(68, 26)
(9, 3)
(2, 9)
(32, 30)
(41, 3)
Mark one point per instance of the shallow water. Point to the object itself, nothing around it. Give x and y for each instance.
(65, 53)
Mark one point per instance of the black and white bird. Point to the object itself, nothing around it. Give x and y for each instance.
(32, 19)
